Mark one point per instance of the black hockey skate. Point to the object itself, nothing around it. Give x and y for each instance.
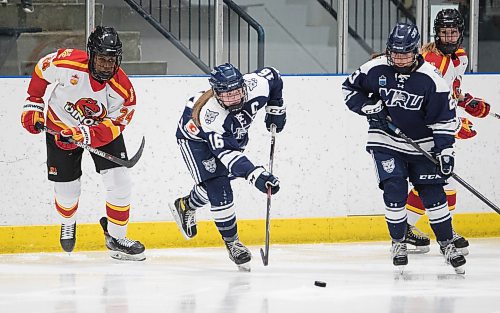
(399, 255)
(419, 241)
(239, 254)
(122, 248)
(460, 243)
(455, 258)
(185, 217)
(68, 237)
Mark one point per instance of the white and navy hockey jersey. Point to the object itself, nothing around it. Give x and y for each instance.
(420, 104)
(226, 133)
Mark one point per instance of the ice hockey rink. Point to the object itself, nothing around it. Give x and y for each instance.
(359, 277)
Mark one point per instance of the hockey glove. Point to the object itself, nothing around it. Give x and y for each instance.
(33, 114)
(79, 133)
(63, 143)
(466, 129)
(262, 180)
(446, 159)
(474, 106)
(376, 113)
(275, 114)
(30, 118)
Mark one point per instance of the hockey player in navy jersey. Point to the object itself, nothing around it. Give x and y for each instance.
(399, 86)
(212, 135)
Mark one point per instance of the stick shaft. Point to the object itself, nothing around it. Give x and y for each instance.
(433, 160)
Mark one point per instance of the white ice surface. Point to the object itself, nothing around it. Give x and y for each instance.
(360, 278)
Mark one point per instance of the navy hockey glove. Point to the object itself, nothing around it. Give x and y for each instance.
(275, 114)
(446, 159)
(376, 113)
(262, 179)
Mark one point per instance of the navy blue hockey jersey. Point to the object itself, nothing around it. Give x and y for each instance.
(420, 104)
(226, 133)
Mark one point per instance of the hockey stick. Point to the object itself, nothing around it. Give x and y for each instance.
(127, 163)
(433, 160)
(265, 255)
(495, 115)
(492, 114)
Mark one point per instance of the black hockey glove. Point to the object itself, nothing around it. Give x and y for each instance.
(275, 114)
(446, 159)
(376, 113)
(262, 180)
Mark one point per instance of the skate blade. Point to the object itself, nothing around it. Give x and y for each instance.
(177, 220)
(400, 269)
(460, 270)
(419, 250)
(245, 267)
(117, 255)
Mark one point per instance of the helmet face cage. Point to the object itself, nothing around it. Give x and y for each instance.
(104, 41)
(448, 18)
(227, 78)
(404, 39)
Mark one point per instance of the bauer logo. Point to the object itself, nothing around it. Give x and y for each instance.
(389, 165)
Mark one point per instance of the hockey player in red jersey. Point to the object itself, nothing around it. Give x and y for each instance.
(447, 55)
(92, 102)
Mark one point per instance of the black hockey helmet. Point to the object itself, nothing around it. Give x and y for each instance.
(225, 78)
(448, 18)
(104, 41)
(404, 38)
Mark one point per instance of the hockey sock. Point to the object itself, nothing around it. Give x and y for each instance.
(198, 197)
(434, 199)
(66, 200)
(118, 193)
(225, 220)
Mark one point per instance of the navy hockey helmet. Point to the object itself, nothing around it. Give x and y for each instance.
(104, 42)
(448, 18)
(403, 47)
(229, 87)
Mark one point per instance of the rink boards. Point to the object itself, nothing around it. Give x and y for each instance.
(329, 191)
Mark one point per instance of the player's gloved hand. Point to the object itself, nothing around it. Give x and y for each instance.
(446, 159)
(262, 180)
(474, 106)
(33, 121)
(275, 114)
(78, 133)
(466, 129)
(63, 143)
(376, 113)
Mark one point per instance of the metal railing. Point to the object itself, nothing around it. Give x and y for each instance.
(190, 26)
(370, 22)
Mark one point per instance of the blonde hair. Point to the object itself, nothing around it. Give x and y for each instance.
(431, 48)
(202, 100)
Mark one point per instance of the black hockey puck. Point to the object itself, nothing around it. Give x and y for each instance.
(320, 283)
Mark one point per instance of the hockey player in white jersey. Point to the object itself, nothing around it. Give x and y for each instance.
(401, 87)
(212, 135)
(92, 102)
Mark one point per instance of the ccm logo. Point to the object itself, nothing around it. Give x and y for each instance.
(430, 176)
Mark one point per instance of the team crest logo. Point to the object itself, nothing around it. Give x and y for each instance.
(53, 171)
(45, 63)
(251, 83)
(74, 79)
(210, 116)
(382, 80)
(210, 165)
(87, 111)
(240, 132)
(389, 165)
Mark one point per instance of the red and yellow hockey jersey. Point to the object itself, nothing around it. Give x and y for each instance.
(80, 100)
(452, 67)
